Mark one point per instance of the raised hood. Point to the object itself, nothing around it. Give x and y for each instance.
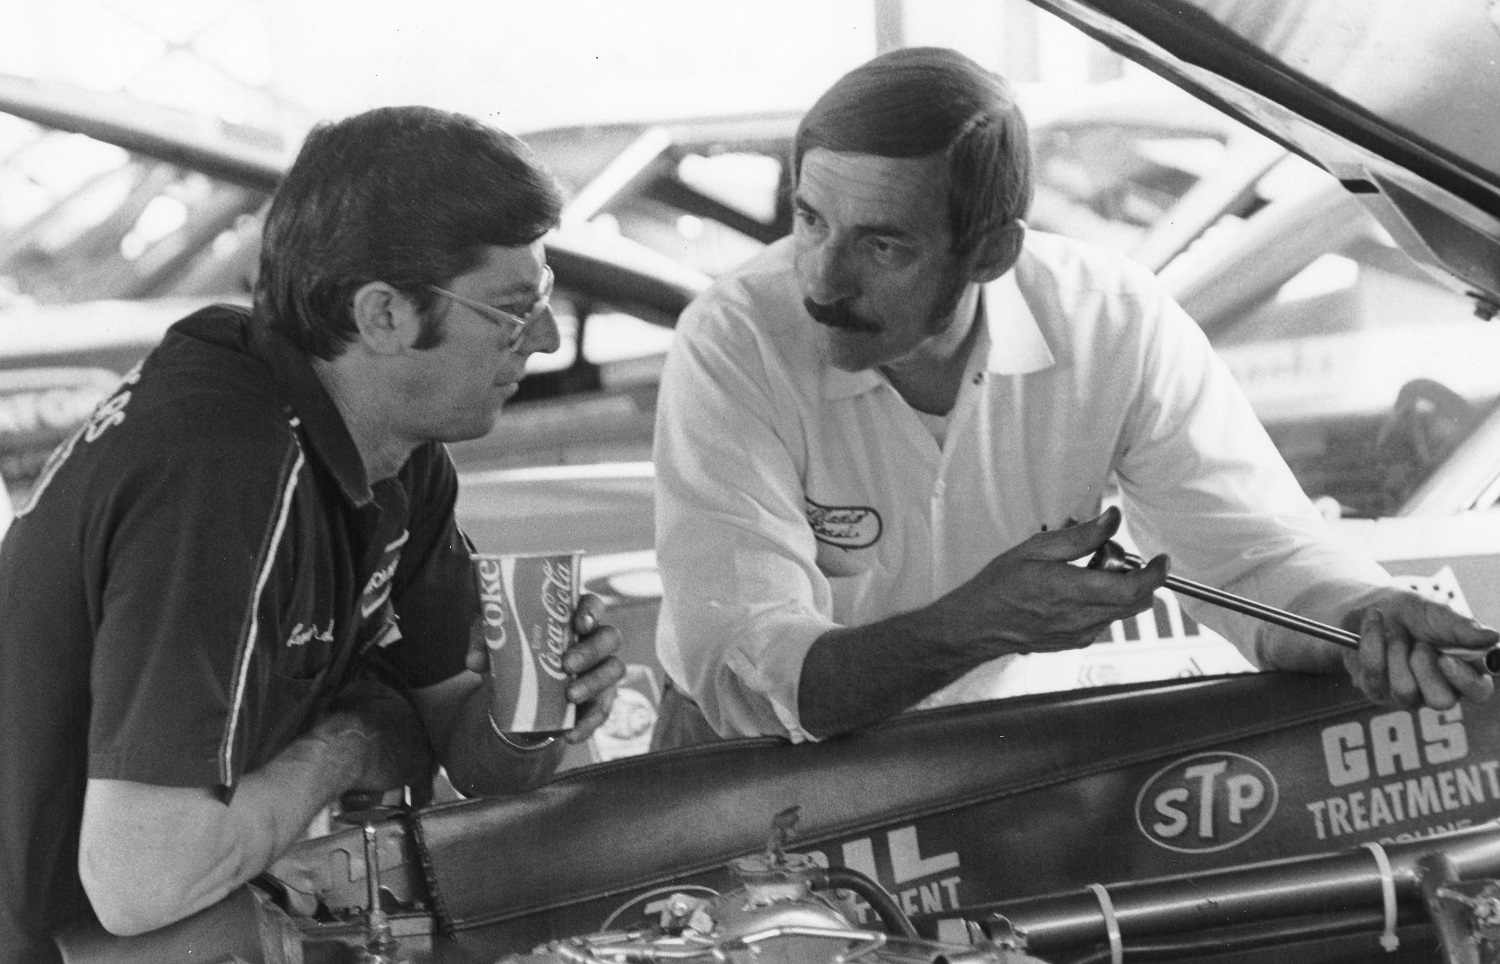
(1399, 100)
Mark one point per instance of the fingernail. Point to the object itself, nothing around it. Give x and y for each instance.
(575, 694)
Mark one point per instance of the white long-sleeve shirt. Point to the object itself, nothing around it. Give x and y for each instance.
(794, 498)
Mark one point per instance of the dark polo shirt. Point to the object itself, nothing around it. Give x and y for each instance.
(200, 569)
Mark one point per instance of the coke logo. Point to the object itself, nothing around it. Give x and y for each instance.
(1206, 802)
(557, 602)
(492, 602)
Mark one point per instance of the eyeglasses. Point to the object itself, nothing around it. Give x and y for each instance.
(508, 321)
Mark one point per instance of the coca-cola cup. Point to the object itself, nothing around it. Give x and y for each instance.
(526, 604)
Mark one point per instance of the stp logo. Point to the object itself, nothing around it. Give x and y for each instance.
(1206, 802)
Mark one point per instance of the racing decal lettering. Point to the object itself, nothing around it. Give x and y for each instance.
(304, 634)
(1413, 799)
(378, 589)
(108, 413)
(847, 527)
(1401, 741)
(1206, 802)
(111, 411)
(1409, 747)
(921, 883)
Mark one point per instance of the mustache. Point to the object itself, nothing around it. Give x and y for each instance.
(839, 315)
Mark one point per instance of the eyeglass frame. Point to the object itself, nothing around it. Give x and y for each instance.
(520, 322)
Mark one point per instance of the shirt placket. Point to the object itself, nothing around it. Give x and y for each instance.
(944, 511)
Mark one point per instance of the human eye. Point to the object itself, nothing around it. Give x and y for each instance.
(888, 252)
(806, 219)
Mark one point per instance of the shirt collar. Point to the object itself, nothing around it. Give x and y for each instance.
(1012, 342)
(1016, 343)
(310, 403)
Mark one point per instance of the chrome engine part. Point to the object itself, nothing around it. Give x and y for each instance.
(787, 910)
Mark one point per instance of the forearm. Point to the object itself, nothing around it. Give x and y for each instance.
(854, 677)
(152, 855)
(480, 762)
(1336, 603)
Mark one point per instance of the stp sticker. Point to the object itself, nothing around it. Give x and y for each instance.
(1206, 802)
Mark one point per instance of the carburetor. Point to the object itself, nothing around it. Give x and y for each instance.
(787, 910)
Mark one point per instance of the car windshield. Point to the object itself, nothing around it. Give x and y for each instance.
(1365, 370)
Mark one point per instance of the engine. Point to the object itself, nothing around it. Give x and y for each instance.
(787, 909)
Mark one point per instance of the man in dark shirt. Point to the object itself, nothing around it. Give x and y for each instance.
(239, 591)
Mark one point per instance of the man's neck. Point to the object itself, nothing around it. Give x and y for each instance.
(929, 378)
(381, 452)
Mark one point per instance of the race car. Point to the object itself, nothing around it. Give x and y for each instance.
(1239, 818)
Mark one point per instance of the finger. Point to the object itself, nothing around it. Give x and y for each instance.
(1118, 593)
(1074, 542)
(588, 614)
(477, 659)
(1471, 684)
(1369, 665)
(1403, 659)
(1433, 687)
(596, 681)
(592, 650)
(1153, 575)
(591, 717)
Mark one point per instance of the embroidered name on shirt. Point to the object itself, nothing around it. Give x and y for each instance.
(378, 589)
(303, 634)
(845, 526)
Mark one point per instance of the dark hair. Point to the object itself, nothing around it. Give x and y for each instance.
(406, 195)
(920, 101)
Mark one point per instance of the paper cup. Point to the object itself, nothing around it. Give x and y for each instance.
(526, 605)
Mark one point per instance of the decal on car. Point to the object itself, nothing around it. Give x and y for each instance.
(1206, 802)
(1396, 772)
(1442, 586)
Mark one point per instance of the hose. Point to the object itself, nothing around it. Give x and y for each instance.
(879, 899)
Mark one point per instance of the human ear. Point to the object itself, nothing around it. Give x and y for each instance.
(386, 319)
(996, 250)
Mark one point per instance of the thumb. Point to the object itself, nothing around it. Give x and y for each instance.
(1073, 542)
(477, 659)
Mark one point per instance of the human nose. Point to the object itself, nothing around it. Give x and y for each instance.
(825, 271)
(541, 336)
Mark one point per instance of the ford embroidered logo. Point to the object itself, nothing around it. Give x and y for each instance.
(1206, 802)
(845, 526)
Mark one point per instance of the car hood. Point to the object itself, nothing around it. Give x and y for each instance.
(1397, 100)
(238, 153)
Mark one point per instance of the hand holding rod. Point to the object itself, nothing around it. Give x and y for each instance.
(1112, 557)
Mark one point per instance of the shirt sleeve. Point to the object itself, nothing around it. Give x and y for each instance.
(743, 598)
(1202, 480)
(178, 546)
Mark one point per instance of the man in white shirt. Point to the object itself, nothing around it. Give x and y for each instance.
(873, 442)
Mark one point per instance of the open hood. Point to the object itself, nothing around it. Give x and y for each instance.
(238, 153)
(1398, 100)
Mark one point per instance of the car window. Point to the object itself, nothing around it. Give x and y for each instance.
(1367, 372)
(711, 210)
(1111, 183)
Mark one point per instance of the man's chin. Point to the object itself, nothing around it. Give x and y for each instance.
(850, 351)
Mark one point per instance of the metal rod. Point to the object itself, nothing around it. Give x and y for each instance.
(1278, 889)
(1112, 557)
